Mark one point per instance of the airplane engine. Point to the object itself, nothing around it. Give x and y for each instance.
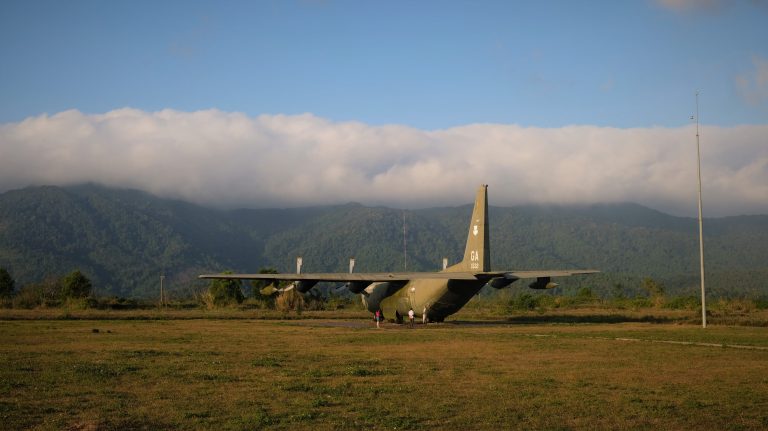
(377, 292)
(543, 283)
(304, 286)
(358, 286)
(501, 282)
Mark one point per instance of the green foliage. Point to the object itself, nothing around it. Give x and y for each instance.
(335, 301)
(79, 303)
(225, 292)
(527, 301)
(761, 303)
(523, 301)
(683, 303)
(75, 285)
(655, 291)
(124, 239)
(641, 302)
(618, 291)
(71, 290)
(732, 306)
(6, 283)
(654, 288)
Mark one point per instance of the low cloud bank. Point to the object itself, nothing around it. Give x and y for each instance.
(230, 159)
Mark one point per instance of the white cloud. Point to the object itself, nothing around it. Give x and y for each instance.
(689, 5)
(230, 159)
(753, 86)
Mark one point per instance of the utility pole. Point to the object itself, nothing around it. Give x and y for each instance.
(162, 291)
(701, 222)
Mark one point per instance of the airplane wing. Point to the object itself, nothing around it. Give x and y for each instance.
(356, 282)
(538, 274)
(503, 279)
(360, 280)
(373, 277)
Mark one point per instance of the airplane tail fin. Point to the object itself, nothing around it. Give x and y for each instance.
(477, 254)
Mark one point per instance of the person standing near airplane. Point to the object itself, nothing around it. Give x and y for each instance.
(410, 316)
(378, 318)
(424, 316)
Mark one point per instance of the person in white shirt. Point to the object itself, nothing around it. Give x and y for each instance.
(424, 316)
(410, 316)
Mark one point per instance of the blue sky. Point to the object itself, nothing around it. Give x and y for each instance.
(424, 64)
(401, 103)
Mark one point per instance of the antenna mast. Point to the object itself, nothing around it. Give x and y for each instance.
(405, 247)
(701, 223)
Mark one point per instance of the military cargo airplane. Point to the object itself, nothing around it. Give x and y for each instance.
(439, 293)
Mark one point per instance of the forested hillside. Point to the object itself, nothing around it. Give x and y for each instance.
(124, 240)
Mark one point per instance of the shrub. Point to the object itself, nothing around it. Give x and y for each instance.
(263, 303)
(80, 303)
(523, 301)
(6, 283)
(47, 293)
(206, 300)
(641, 302)
(337, 302)
(75, 285)
(682, 303)
(733, 306)
(761, 303)
(223, 293)
(290, 300)
(27, 297)
(655, 291)
(564, 301)
(585, 294)
(546, 301)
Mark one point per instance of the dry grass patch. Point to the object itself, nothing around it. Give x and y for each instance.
(250, 374)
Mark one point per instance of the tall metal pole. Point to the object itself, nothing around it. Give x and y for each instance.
(405, 246)
(701, 222)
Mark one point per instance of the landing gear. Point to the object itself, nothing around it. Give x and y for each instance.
(398, 318)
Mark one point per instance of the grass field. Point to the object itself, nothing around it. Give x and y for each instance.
(220, 373)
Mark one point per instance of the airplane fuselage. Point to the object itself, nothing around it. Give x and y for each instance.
(441, 298)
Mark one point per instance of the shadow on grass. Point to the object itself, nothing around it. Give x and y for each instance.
(566, 318)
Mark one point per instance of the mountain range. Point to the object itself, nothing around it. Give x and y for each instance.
(125, 239)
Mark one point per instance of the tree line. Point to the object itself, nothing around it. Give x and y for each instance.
(53, 291)
(124, 239)
(75, 289)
